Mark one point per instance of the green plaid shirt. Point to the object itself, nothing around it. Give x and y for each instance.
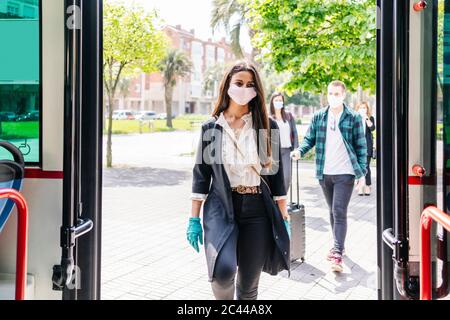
(351, 127)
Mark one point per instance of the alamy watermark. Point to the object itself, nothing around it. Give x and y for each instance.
(74, 20)
(245, 153)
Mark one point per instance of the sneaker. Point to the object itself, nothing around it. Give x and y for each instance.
(336, 263)
(331, 254)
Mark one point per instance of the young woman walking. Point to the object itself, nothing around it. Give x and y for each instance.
(238, 178)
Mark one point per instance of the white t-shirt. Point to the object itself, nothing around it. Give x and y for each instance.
(285, 133)
(337, 160)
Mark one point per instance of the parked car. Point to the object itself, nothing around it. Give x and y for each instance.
(30, 116)
(146, 115)
(163, 116)
(123, 115)
(7, 116)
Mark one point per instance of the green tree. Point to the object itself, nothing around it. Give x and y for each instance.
(132, 44)
(304, 99)
(317, 41)
(175, 64)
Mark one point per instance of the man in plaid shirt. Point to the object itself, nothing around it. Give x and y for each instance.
(341, 153)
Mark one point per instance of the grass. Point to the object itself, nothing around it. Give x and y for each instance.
(20, 130)
(186, 123)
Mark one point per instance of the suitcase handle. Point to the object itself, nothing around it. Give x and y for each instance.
(298, 181)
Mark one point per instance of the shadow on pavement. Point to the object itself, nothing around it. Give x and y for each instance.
(143, 177)
(303, 272)
(357, 277)
(317, 224)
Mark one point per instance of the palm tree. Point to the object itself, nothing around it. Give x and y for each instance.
(175, 64)
(223, 14)
(212, 77)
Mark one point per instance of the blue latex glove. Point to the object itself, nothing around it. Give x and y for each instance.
(195, 233)
(287, 224)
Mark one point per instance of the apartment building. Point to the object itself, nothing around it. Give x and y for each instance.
(146, 91)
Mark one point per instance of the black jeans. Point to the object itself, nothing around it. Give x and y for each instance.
(338, 192)
(246, 250)
(369, 173)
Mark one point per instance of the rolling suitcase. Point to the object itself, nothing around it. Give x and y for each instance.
(297, 214)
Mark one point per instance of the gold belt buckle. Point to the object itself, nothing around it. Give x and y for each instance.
(241, 189)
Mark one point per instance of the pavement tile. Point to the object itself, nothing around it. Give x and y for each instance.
(145, 254)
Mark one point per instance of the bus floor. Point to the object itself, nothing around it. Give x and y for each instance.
(146, 255)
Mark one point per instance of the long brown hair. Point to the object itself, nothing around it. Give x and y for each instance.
(272, 106)
(257, 106)
(367, 105)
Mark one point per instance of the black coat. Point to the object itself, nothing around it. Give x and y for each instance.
(209, 177)
(369, 136)
(294, 133)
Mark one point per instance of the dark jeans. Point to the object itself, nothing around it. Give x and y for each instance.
(247, 248)
(338, 191)
(369, 173)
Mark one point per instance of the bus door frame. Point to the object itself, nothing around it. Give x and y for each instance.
(79, 274)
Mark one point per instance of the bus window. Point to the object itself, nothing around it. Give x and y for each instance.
(20, 85)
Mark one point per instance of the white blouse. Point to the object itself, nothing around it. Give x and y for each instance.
(285, 133)
(239, 167)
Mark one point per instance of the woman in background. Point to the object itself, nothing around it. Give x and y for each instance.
(288, 133)
(366, 113)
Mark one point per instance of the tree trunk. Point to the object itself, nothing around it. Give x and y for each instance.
(168, 98)
(110, 124)
(104, 114)
(111, 88)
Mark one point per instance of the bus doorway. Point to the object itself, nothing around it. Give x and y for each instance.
(413, 158)
(120, 233)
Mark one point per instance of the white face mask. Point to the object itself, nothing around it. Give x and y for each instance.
(363, 112)
(278, 105)
(242, 96)
(335, 102)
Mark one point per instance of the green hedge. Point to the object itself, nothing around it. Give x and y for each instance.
(135, 127)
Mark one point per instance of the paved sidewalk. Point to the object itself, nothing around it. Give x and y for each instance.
(146, 256)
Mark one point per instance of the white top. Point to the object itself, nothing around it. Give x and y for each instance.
(285, 133)
(337, 160)
(239, 168)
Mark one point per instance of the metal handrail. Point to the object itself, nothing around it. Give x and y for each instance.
(22, 238)
(426, 220)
